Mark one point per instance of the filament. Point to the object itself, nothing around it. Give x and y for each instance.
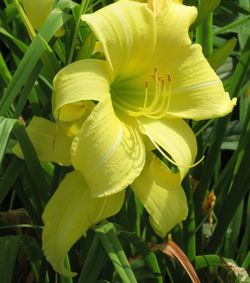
(169, 159)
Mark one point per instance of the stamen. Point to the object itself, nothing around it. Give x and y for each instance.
(146, 95)
(54, 138)
(155, 104)
(157, 110)
(169, 159)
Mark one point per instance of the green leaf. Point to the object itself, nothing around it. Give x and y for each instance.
(220, 55)
(96, 257)
(148, 257)
(9, 246)
(205, 261)
(39, 187)
(31, 57)
(204, 9)
(6, 126)
(106, 234)
(9, 177)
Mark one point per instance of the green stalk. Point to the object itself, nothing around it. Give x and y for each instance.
(204, 35)
(83, 9)
(66, 279)
(111, 244)
(189, 224)
(240, 186)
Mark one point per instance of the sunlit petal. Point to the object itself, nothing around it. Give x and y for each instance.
(77, 82)
(175, 137)
(197, 92)
(126, 31)
(161, 195)
(50, 142)
(69, 214)
(73, 128)
(108, 153)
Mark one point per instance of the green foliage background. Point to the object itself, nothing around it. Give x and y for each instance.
(216, 240)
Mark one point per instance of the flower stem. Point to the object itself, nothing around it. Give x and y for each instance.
(83, 9)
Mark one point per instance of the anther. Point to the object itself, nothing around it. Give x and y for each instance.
(146, 95)
(163, 83)
(54, 138)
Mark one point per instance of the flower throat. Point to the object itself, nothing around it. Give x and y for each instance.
(156, 99)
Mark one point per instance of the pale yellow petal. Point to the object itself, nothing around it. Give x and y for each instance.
(37, 11)
(161, 195)
(108, 153)
(73, 128)
(196, 90)
(69, 214)
(126, 30)
(175, 137)
(82, 80)
(50, 142)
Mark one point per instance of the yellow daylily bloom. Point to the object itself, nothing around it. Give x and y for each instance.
(152, 78)
(77, 214)
(50, 142)
(38, 11)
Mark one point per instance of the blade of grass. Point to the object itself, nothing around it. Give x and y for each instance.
(240, 186)
(204, 9)
(4, 71)
(110, 242)
(204, 32)
(27, 89)
(15, 45)
(205, 261)
(189, 223)
(83, 9)
(220, 55)
(9, 247)
(97, 257)
(141, 246)
(246, 262)
(39, 186)
(6, 126)
(66, 279)
(234, 85)
(244, 245)
(232, 25)
(232, 233)
(56, 19)
(9, 177)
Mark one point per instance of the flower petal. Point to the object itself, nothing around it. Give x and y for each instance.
(73, 128)
(175, 137)
(69, 214)
(38, 11)
(162, 196)
(50, 142)
(82, 80)
(197, 92)
(124, 29)
(108, 153)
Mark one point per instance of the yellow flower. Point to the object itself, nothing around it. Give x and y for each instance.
(153, 78)
(38, 11)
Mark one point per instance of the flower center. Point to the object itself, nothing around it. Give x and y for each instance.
(156, 98)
